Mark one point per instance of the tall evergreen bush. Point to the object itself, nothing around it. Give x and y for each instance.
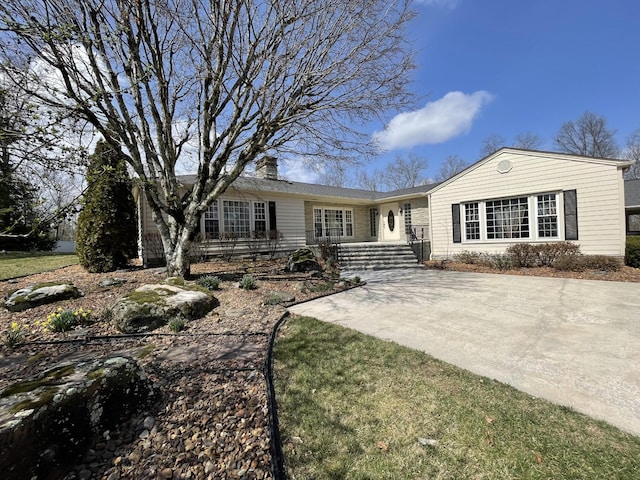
(106, 235)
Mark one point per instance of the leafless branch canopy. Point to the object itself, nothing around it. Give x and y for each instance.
(222, 81)
(589, 136)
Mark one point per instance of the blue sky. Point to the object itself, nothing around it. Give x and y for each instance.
(511, 66)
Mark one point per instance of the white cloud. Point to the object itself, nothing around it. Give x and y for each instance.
(298, 171)
(437, 122)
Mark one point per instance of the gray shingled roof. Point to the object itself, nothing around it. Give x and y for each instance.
(632, 193)
(314, 190)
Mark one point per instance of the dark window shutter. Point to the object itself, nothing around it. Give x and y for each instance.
(455, 217)
(570, 215)
(272, 216)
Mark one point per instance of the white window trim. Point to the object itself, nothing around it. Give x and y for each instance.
(532, 205)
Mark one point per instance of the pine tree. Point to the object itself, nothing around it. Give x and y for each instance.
(106, 235)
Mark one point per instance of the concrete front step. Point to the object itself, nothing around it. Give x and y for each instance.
(377, 256)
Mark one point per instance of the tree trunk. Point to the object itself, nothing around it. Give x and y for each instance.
(178, 262)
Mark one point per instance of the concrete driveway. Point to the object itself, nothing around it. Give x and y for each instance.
(573, 342)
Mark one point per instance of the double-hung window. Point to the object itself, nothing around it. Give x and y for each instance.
(259, 218)
(212, 221)
(547, 213)
(471, 221)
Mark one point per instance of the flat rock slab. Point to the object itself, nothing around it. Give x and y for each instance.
(151, 306)
(47, 422)
(41, 294)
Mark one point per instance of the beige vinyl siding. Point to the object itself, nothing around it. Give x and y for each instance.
(600, 204)
(289, 217)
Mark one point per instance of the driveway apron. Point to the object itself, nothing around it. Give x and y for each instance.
(573, 342)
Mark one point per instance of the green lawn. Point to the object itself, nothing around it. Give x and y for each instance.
(354, 407)
(17, 264)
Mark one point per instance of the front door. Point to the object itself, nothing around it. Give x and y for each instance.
(390, 222)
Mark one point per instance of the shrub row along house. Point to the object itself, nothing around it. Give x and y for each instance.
(510, 196)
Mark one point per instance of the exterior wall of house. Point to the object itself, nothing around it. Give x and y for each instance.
(599, 190)
(419, 216)
(289, 216)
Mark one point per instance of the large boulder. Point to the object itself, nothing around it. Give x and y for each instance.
(47, 422)
(302, 260)
(40, 294)
(151, 306)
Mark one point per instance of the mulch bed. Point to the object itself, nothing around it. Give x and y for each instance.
(211, 418)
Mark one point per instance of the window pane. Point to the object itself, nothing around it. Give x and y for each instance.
(348, 217)
(260, 217)
(547, 216)
(508, 218)
(212, 222)
(236, 218)
(317, 221)
(334, 222)
(472, 221)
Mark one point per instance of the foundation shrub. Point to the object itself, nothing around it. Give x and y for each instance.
(501, 261)
(581, 263)
(472, 258)
(549, 253)
(524, 254)
(632, 252)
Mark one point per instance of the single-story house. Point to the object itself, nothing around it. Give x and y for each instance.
(510, 196)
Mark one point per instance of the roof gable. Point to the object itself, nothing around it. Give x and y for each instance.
(533, 153)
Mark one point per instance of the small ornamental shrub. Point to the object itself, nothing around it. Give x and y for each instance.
(210, 282)
(468, 257)
(581, 263)
(632, 252)
(14, 335)
(248, 282)
(177, 324)
(356, 280)
(64, 320)
(548, 253)
(501, 261)
(524, 255)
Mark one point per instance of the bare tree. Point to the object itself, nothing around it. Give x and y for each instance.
(405, 173)
(219, 81)
(588, 136)
(528, 141)
(632, 152)
(451, 166)
(525, 140)
(334, 175)
(491, 144)
(369, 181)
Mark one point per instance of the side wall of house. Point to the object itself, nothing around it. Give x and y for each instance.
(599, 192)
